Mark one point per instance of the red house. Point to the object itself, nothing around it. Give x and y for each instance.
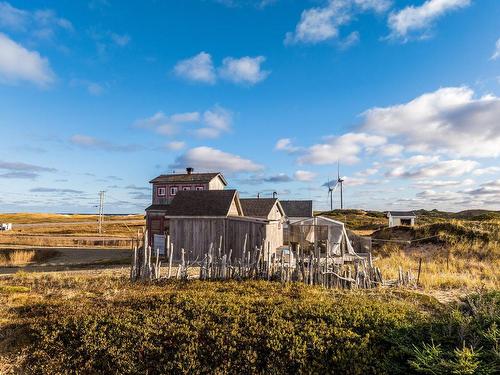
(166, 186)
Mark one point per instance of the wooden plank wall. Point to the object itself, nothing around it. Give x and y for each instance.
(195, 235)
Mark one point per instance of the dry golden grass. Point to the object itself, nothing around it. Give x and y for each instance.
(117, 231)
(33, 218)
(23, 257)
(460, 267)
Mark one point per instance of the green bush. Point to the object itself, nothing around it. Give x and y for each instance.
(259, 327)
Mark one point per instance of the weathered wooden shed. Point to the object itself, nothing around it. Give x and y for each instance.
(269, 209)
(199, 220)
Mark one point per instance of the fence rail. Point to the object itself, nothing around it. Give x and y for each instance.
(261, 263)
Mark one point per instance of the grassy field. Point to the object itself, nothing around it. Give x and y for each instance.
(33, 218)
(95, 322)
(57, 230)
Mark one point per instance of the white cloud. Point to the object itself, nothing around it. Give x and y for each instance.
(354, 181)
(449, 120)
(12, 18)
(285, 144)
(417, 18)
(167, 125)
(198, 68)
(42, 24)
(322, 23)
(207, 158)
(20, 64)
(93, 88)
(218, 118)
(185, 117)
(368, 172)
(245, 70)
(92, 143)
(391, 150)
(120, 39)
(215, 121)
(491, 188)
(345, 148)
(447, 168)
(434, 184)
(212, 122)
(487, 170)
(175, 145)
(496, 54)
(305, 176)
(374, 5)
(240, 3)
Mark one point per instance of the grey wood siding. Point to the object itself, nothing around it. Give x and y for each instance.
(195, 235)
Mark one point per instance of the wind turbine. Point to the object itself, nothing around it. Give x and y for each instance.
(332, 189)
(340, 181)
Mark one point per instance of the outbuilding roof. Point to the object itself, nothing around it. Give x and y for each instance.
(202, 203)
(157, 207)
(188, 178)
(303, 208)
(258, 207)
(401, 213)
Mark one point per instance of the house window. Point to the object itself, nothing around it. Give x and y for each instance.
(160, 191)
(173, 190)
(186, 188)
(200, 188)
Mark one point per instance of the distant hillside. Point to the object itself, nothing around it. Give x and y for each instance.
(371, 220)
(477, 215)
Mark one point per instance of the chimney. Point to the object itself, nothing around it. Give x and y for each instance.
(189, 170)
(275, 194)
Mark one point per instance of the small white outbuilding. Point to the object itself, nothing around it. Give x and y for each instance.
(399, 218)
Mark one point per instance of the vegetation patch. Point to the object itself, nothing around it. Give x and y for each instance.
(17, 257)
(100, 326)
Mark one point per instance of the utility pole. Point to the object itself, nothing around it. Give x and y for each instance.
(101, 210)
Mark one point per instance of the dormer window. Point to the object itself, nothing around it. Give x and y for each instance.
(200, 188)
(186, 188)
(173, 190)
(161, 191)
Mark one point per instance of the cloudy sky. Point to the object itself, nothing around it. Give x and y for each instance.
(105, 95)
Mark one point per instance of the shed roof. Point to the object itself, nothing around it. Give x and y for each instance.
(302, 208)
(157, 207)
(258, 207)
(188, 177)
(401, 213)
(202, 203)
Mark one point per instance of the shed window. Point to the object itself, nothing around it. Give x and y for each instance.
(173, 190)
(160, 191)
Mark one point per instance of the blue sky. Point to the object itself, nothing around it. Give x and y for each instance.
(106, 94)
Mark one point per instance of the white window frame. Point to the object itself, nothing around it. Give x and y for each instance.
(173, 190)
(186, 188)
(161, 191)
(199, 188)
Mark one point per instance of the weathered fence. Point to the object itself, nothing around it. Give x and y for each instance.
(261, 263)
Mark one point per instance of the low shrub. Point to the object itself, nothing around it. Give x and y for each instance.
(257, 327)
